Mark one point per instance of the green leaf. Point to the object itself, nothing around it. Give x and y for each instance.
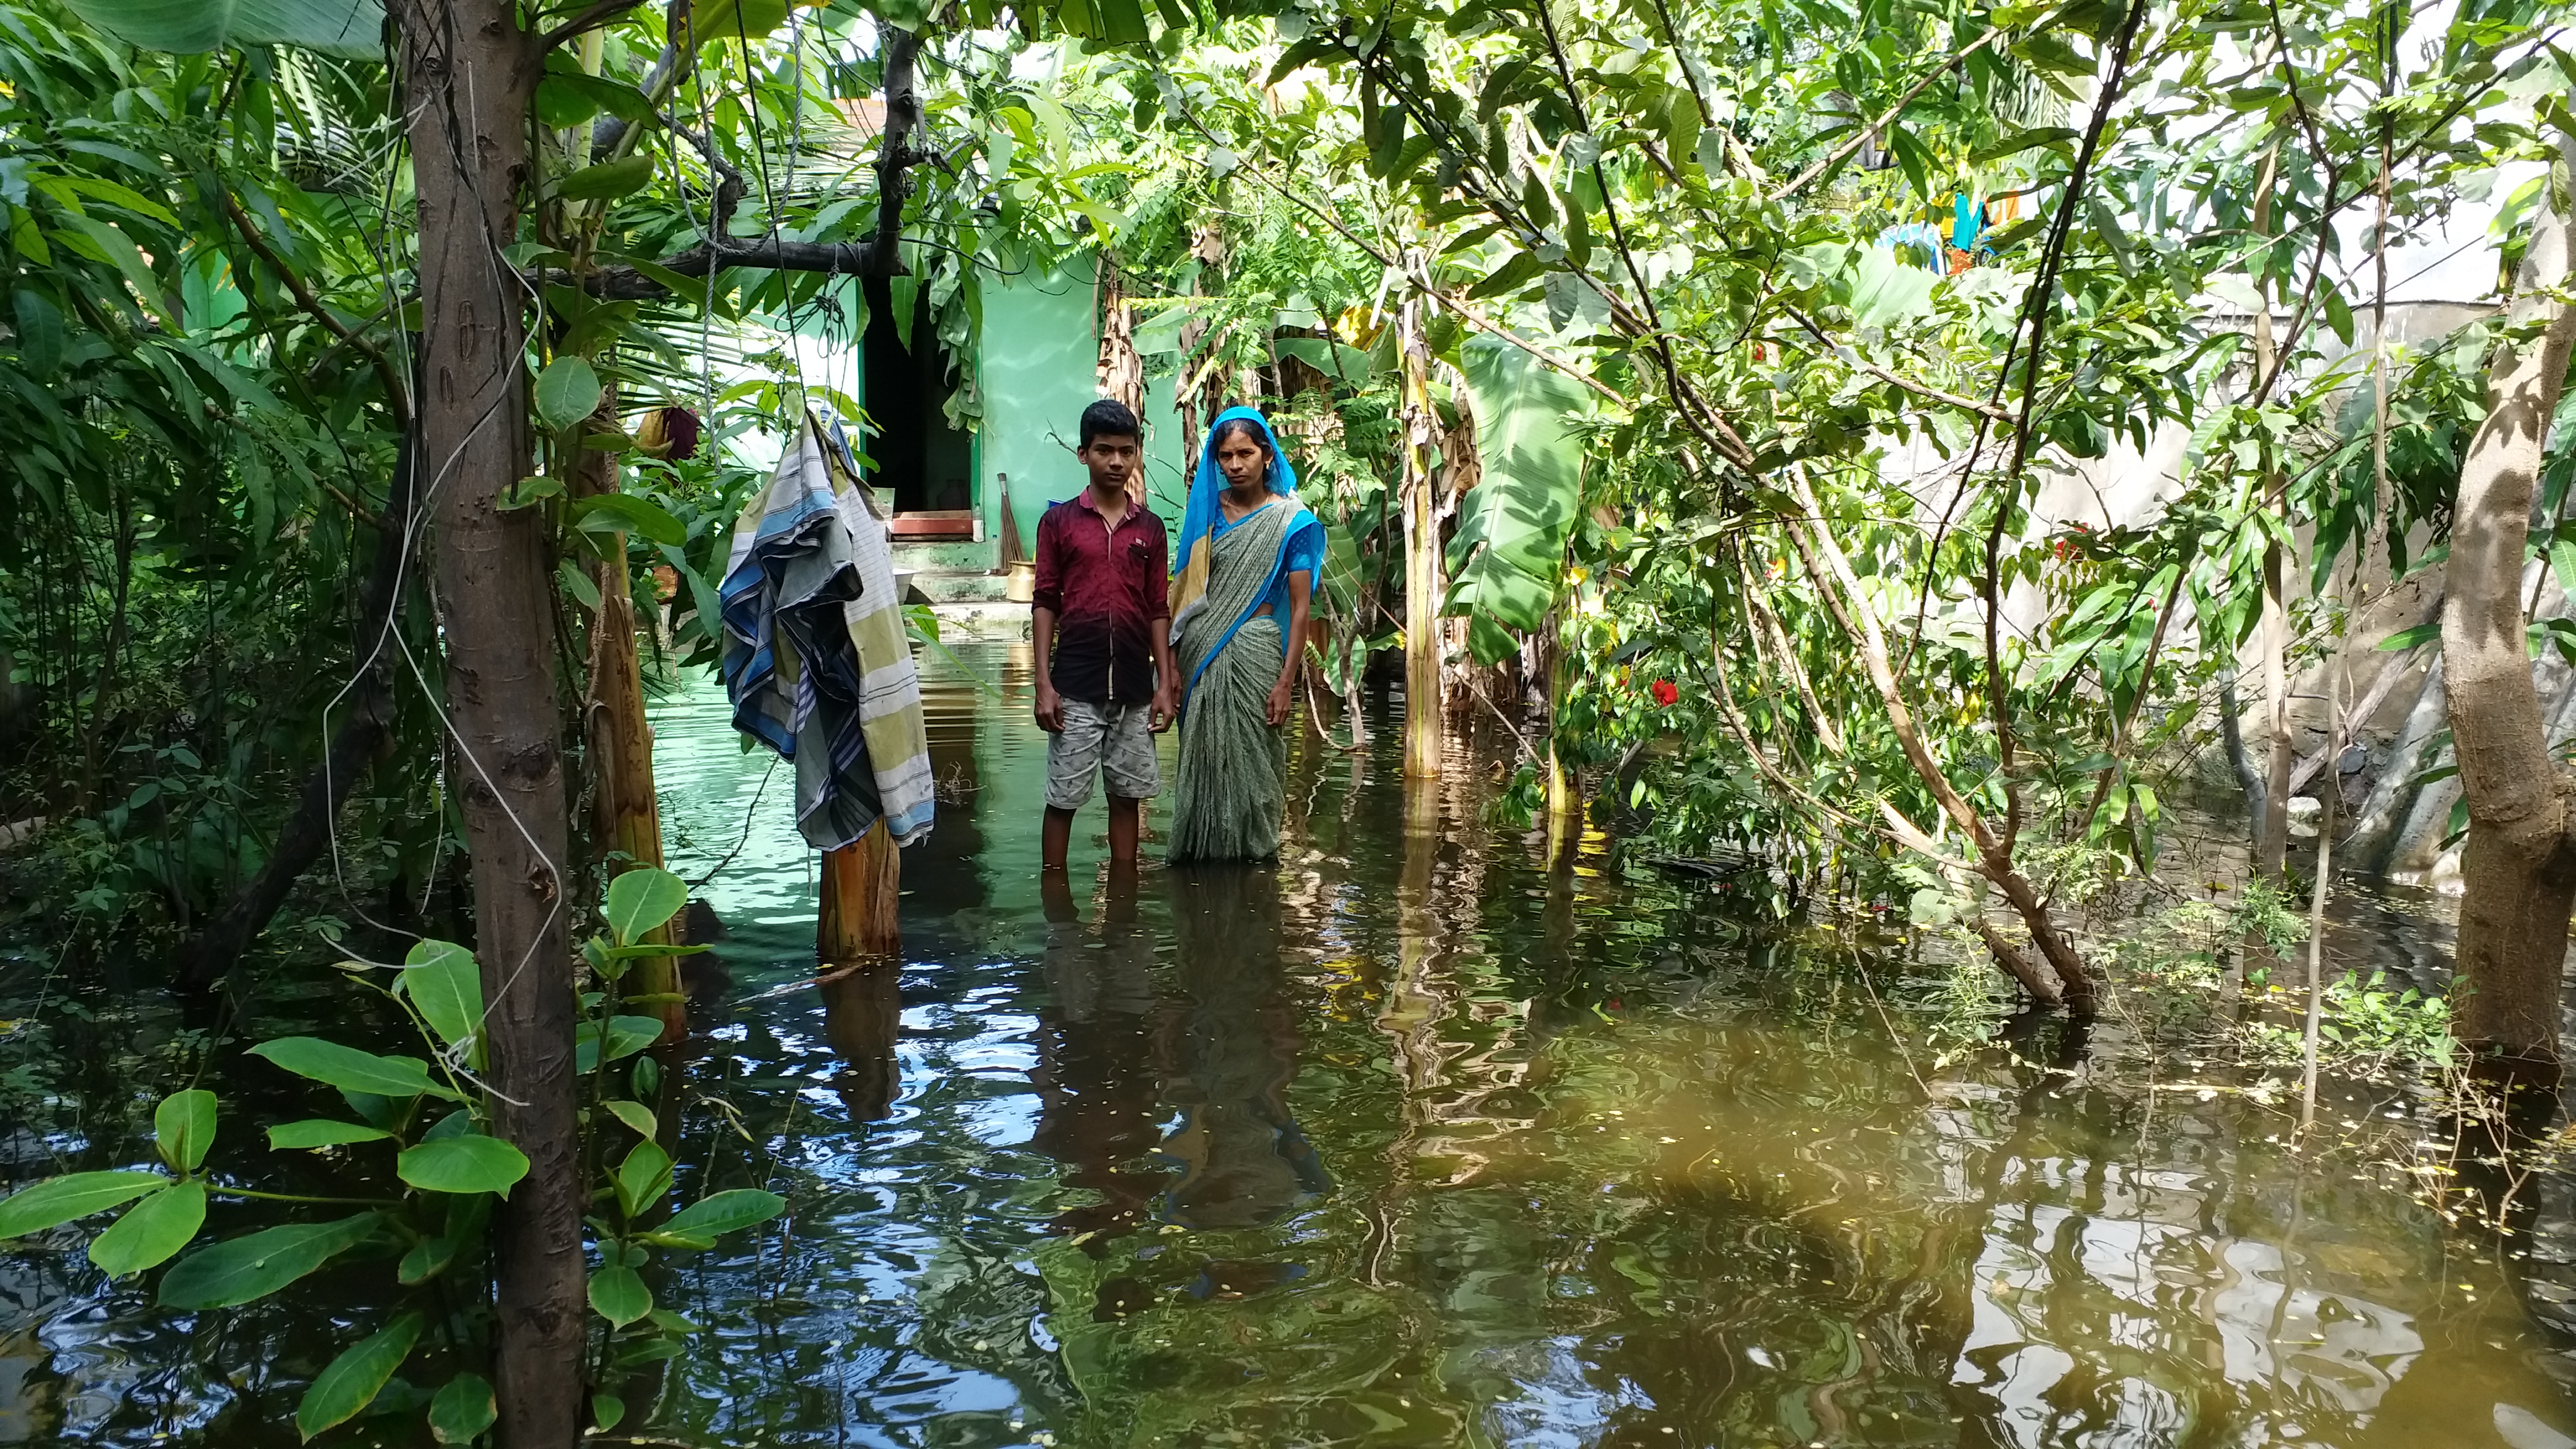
(355, 1378)
(607, 179)
(1513, 526)
(627, 1035)
(445, 985)
(238, 1270)
(527, 491)
(425, 1260)
(1516, 269)
(152, 1231)
(350, 28)
(315, 1132)
(622, 512)
(183, 1127)
(702, 1222)
(643, 1177)
(119, 249)
(463, 1164)
(2562, 562)
(462, 1409)
(640, 900)
(1886, 292)
(566, 392)
(619, 1294)
(2405, 639)
(606, 1410)
(352, 1070)
(638, 1118)
(40, 332)
(577, 583)
(58, 1200)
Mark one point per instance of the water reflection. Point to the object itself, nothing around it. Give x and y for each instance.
(1232, 1041)
(1426, 1136)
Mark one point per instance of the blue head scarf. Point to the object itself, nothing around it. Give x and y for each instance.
(1200, 517)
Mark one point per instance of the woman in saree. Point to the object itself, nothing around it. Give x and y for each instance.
(1249, 552)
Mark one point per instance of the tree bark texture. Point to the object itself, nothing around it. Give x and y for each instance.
(469, 73)
(2519, 865)
(862, 892)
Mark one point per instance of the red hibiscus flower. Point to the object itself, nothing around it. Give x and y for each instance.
(1665, 693)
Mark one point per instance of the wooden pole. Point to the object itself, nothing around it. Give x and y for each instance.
(862, 891)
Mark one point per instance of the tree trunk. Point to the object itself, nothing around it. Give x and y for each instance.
(862, 891)
(1422, 716)
(2272, 826)
(628, 806)
(469, 72)
(2519, 866)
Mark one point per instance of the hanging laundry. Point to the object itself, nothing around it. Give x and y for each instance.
(801, 588)
(1921, 238)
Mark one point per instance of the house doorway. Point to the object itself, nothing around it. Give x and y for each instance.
(928, 465)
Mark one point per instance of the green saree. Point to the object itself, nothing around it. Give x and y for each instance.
(1232, 785)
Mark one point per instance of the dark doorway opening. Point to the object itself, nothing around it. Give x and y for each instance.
(929, 465)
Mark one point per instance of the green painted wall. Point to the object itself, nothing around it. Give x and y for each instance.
(1040, 370)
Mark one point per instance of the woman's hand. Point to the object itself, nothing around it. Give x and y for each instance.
(1283, 697)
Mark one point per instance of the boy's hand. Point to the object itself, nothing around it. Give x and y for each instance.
(1050, 709)
(1167, 709)
(1282, 699)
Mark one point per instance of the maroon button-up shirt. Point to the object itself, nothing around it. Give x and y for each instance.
(1106, 589)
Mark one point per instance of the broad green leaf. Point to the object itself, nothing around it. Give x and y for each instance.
(702, 1222)
(463, 1164)
(120, 250)
(607, 179)
(183, 1127)
(238, 1270)
(638, 1118)
(627, 1035)
(425, 1260)
(152, 1231)
(641, 899)
(58, 1200)
(445, 984)
(353, 1380)
(643, 1177)
(619, 1294)
(351, 28)
(1887, 292)
(40, 332)
(606, 1411)
(315, 1132)
(743, 21)
(462, 1409)
(566, 392)
(620, 512)
(1509, 552)
(352, 1070)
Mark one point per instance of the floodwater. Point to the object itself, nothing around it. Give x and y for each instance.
(1412, 1140)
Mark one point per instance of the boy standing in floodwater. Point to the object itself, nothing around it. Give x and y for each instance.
(1102, 623)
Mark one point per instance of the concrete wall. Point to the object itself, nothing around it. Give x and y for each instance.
(1040, 370)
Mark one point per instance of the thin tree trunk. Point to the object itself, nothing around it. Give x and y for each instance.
(2272, 826)
(1840, 588)
(2519, 868)
(469, 73)
(1417, 447)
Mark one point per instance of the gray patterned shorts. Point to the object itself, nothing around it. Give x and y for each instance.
(1115, 741)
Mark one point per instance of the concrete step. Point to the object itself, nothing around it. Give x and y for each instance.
(947, 556)
(947, 586)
